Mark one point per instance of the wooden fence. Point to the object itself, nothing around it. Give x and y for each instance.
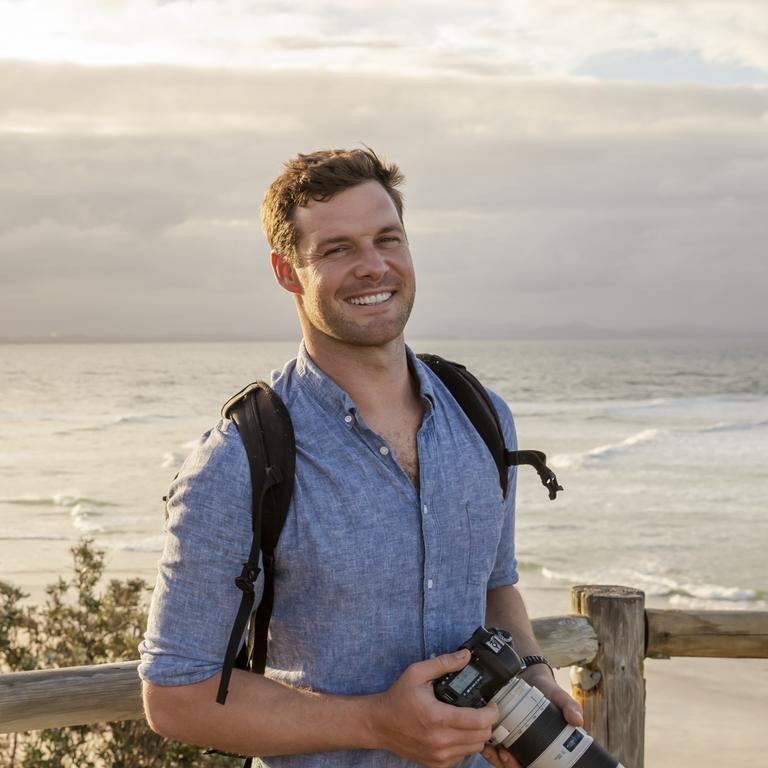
(605, 643)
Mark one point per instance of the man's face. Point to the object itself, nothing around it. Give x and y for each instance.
(356, 275)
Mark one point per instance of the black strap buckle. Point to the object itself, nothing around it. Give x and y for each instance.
(247, 578)
(274, 475)
(552, 485)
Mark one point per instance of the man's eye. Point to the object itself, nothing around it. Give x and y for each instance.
(336, 249)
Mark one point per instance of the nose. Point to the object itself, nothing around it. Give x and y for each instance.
(371, 263)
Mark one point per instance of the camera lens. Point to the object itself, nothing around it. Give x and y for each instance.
(535, 731)
(529, 725)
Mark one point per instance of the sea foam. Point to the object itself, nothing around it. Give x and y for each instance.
(687, 594)
(66, 499)
(610, 450)
(82, 519)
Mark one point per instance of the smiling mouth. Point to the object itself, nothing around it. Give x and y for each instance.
(376, 298)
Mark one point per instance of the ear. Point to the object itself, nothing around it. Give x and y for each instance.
(285, 274)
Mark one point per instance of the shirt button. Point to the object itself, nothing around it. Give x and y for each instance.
(429, 584)
(384, 451)
(432, 655)
(348, 418)
(424, 509)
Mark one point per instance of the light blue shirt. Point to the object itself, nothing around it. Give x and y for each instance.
(371, 574)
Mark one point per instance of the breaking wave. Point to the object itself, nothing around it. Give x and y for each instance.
(83, 520)
(652, 436)
(7, 535)
(681, 594)
(171, 459)
(736, 426)
(66, 500)
(143, 419)
(147, 544)
(631, 443)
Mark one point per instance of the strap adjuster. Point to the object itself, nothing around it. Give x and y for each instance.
(274, 475)
(247, 578)
(552, 485)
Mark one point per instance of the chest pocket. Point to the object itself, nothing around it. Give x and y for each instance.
(484, 523)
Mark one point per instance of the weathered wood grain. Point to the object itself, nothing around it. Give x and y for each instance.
(722, 634)
(52, 698)
(81, 695)
(566, 640)
(614, 709)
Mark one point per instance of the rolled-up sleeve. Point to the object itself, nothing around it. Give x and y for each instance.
(504, 571)
(208, 537)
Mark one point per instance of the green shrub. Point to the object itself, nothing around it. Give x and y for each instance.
(78, 625)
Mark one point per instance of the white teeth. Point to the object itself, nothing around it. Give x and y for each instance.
(377, 298)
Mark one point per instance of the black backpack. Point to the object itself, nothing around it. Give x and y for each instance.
(266, 430)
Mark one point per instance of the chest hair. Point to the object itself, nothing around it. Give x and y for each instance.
(406, 453)
(401, 436)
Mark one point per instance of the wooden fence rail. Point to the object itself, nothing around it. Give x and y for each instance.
(604, 643)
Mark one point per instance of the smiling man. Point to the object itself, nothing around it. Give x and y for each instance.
(398, 542)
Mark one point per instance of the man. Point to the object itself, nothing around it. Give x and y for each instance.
(397, 544)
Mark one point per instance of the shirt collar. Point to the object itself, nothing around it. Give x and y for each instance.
(334, 397)
(423, 376)
(322, 385)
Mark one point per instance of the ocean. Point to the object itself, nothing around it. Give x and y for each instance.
(662, 446)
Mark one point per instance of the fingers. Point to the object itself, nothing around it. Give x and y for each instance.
(571, 709)
(463, 718)
(411, 722)
(454, 717)
(549, 687)
(492, 756)
(499, 757)
(431, 669)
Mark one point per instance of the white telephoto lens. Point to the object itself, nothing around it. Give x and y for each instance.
(536, 733)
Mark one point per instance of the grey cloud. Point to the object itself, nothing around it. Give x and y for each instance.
(527, 203)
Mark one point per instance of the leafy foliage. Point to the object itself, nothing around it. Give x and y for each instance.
(78, 625)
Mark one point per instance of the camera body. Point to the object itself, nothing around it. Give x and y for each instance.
(494, 662)
(529, 725)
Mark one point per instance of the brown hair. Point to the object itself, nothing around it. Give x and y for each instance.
(319, 176)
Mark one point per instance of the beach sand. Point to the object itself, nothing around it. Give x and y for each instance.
(699, 712)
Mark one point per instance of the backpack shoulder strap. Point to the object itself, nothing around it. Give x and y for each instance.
(266, 430)
(476, 403)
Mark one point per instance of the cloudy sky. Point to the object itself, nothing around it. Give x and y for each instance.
(599, 164)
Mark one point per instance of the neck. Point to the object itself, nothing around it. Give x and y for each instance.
(374, 377)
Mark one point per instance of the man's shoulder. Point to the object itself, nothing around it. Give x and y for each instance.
(501, 406)
(506, 419)
(218, 453)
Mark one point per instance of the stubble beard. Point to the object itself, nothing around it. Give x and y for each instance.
(377, 332)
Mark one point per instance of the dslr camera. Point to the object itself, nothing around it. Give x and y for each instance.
(529, 725)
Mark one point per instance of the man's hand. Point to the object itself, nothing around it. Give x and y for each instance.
(411, 722)
(541, 678)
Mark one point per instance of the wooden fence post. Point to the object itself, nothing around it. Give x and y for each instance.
(611, 688)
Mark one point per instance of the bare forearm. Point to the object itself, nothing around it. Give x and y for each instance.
(260, 717)
(505, 609)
